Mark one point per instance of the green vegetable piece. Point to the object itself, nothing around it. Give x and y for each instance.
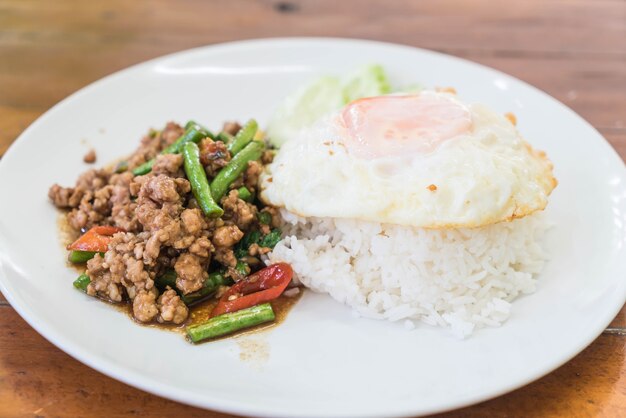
(144, 168)
(82, 282)
(194, 134)
(243, 268)
(265, 218)
(231, 322)
(271, 239)
(244, 194)
(243, 137)
(367, 81)
(252, 237)
(303, 107)
(121, 167)
(197, 126)
(323, 96)
(199, 183)
(209, 287)
(79, 257)
(168, 278)
(235, 168)
(225, 137)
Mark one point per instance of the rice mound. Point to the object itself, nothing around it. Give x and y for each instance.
(462, 279)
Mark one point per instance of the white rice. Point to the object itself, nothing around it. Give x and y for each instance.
(462, 279)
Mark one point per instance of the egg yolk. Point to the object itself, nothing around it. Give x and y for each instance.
(402, 125)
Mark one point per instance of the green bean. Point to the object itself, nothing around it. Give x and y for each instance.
(234, 168)
(195, 124)
(121, 167)
(168, 278)
(271, 239)
(231, 322)
(243, 137)
(82, 282)
(244, 194)
(193, 134)
(144, 168)
(265, 218)
(80, 256)
(199, 183)
(225, 137)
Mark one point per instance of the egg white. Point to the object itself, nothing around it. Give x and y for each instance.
(491, 174)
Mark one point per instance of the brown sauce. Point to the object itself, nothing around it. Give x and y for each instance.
(281, 307)
(198, 313)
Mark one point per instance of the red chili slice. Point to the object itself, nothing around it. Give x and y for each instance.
(260, 287)
(96, 239)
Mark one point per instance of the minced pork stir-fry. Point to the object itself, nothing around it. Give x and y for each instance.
(178, 222)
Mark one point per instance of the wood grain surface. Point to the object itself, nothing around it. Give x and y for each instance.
(574, 50)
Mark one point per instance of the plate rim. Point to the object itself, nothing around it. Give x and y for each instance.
(135, 379)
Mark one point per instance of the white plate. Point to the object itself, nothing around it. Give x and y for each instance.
(321, 361)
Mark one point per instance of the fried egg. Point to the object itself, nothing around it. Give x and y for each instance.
(425, 160)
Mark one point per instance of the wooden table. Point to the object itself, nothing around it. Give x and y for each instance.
(574, 50)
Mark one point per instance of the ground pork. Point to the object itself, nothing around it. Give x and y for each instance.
(122, 205)
(100, 197)
(238, 211)
(227, 236)
(153, 143)
(231, 128)
(87, 199)
(213, 155)
(90, 157)
(161, 212)
(251, 175)
(103, 284)
(163, 226)
(124, 265)
(126, 260)
(193, 221)
(61, 196)
(256, 249)
(191, 272)
(171, 308)
(169, 164)
(225, 256)
(268, 156)
(145, 306)
(202, 247)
